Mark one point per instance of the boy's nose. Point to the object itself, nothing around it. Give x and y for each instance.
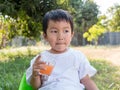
(60, 39)
(60, 36)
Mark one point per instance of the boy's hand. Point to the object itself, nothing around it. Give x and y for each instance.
(37, 66)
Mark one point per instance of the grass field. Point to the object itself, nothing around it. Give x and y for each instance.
(13, 67)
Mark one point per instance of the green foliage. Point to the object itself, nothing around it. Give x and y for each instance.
(96, 30)
(93, 33)
(27, 15)
(28, 28)
(33, 8)
(4, 30)
(114, 22)
(85, 13)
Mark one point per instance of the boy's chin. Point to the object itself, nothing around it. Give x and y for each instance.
(58, 50)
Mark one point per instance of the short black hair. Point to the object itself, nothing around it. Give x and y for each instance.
(57, 15)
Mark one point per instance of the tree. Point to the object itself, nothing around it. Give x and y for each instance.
(85, 14)
(95, 31)
(114, 21)
(28, 14)
(4, 31)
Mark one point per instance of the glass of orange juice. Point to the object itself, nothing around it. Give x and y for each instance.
(48, 68)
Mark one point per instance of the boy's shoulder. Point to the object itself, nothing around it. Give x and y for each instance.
(80, 56)
(75, 51)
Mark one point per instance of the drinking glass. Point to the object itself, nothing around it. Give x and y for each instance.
(48, 68)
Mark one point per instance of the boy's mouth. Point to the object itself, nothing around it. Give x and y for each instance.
(60, 43)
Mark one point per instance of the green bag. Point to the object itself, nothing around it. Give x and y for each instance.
(24, 85)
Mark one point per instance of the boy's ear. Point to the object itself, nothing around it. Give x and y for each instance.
(72, 34)
(45, 36)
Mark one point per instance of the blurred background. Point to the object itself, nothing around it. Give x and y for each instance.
(96, 22)
(97, 35)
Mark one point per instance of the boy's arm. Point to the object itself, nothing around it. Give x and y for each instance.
(35, 81)
(36, 77)
(88, 83)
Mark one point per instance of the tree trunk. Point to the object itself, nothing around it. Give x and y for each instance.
(3, 42)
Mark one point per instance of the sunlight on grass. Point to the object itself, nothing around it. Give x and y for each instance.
(19, 52)
(107, 77)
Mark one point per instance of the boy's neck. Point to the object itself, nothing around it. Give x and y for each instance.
(57, 52)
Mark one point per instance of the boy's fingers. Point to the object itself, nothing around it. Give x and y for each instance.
(38, 61)
(41, 66)
(38, 58)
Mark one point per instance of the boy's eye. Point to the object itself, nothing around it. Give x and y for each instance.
(66, 31)
(53, 31)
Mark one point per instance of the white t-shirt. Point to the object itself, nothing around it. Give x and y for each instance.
(70, 67)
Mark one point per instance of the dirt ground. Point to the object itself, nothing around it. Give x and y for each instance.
(111, 54)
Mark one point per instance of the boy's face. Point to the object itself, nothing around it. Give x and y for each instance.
(58, 35)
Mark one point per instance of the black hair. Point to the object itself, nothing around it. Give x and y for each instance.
(56, 15)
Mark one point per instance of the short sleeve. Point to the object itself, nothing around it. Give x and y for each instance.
(86, 68)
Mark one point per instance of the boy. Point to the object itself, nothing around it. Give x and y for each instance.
(72, 71)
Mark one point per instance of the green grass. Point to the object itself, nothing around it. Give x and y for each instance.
(13, 68)
(108, 76)
(11, 72)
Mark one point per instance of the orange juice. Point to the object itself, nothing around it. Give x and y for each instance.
(48, 70)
